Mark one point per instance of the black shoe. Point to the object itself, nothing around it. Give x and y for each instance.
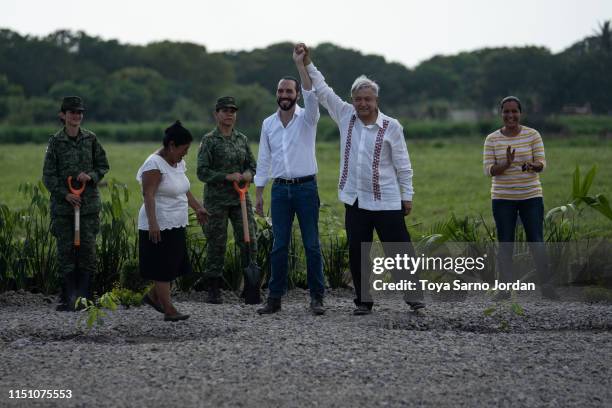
(214, 291)
(316, 306)
(549, 292)
(362, 310)
(273, 305)
(148, 301)
(414, 306)
(175, 317)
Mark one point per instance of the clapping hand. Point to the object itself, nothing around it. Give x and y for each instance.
(532, 167)
(509, 156)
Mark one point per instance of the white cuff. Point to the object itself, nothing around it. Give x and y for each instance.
(260, 181)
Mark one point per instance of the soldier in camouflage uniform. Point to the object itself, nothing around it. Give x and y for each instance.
(74, 151)
(224, 157)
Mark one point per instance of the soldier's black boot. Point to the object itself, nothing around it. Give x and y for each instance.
(214, 291)
(273, 305)
(69, 293)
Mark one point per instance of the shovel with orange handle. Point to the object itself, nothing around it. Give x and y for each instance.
(77, 212)
(72, 302)
(252, 272)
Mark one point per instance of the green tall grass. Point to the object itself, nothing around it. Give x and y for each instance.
(448, 180)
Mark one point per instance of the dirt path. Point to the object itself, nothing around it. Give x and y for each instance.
(559, 354)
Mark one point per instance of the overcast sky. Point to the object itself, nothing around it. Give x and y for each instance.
(407, 31)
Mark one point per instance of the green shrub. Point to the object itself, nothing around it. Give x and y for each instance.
(9, 222)
(130, 278)
(127, 297)
(117, 241)
(93, 310)
(37, 244)
(335, 261)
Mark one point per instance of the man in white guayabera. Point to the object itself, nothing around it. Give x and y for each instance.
(375, 177)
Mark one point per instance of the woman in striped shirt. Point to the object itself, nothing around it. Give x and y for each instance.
(514, 156)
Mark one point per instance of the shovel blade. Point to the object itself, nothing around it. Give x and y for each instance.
(252, 275)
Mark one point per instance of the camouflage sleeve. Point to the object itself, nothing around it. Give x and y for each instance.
(250, 163)
(205, 170)
(51, 179)
(100, 163)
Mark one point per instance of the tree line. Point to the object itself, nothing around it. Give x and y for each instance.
(162, 81)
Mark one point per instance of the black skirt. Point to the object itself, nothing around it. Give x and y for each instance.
(166, 260)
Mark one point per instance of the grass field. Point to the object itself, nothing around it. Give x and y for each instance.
(448, 175)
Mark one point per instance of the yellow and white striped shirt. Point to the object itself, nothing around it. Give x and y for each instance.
(514, 184)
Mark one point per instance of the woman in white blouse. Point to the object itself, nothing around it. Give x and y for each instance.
(163, 218)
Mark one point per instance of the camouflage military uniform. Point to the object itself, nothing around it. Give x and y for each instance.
(67, 156)
(218, 156)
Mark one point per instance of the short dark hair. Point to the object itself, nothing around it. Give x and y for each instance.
(178, 134)
(510, 99)
(298, 86)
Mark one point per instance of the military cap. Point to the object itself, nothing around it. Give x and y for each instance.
(226, 102)
(72, 103)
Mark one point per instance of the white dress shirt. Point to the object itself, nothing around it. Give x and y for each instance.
(374, 162)
(289, 152)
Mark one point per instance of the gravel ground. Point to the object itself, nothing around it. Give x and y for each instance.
(558, 354)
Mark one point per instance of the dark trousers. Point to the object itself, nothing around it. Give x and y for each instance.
(76, 266)
(531, 211)
(360, 225)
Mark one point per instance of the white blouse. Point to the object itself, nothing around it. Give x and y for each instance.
(374, 162)
(171, 207)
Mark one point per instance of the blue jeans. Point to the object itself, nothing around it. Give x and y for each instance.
(302, 200)
(531, 212)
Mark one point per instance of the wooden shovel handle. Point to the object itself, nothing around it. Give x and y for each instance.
(245, 221)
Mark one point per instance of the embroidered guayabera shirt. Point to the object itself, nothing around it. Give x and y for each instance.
(374, 162)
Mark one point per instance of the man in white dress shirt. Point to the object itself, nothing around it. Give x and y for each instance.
(375, 182)
(287, 156)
